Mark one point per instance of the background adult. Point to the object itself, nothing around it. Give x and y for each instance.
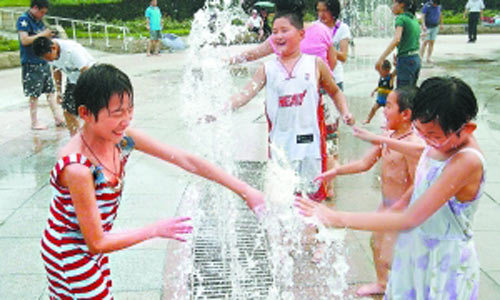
(432, 22)
(153, 24)
(255, 24)
(36, 73)
(407, 40)
(475, 10)
(328, 14)
(70, 58)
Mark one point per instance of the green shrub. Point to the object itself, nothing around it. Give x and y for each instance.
(451, 17)
(8, 45)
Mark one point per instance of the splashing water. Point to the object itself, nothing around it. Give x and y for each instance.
(290, 235)
(369, 17)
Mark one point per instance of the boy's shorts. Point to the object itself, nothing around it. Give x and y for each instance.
(307, 169)
(381, 99)
(37, 80)
(155, 35)
(69, 103)
(432, 33)
(387, 203)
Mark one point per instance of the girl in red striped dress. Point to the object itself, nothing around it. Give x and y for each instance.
(88, 182)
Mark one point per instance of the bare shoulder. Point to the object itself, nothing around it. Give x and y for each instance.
(414, 138)
(73, 146)
(469, 161)
(75, 174)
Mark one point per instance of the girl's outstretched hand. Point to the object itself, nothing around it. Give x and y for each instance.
(173, 228)
(325, 176)
(254, 199)
(309, 208)
(348, 119)
(365, 135)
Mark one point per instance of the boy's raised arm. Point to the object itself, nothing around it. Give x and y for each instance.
(260, 51)
(251, 89)
(361, 165)
(327, 83)
(412, 149)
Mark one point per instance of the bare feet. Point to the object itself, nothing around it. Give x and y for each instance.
(38, 126)
(370, 289)
(366, 122)
(148, 54)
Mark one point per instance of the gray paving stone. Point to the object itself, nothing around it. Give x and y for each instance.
(22, 286)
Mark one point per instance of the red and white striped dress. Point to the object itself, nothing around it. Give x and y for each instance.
(72, 271)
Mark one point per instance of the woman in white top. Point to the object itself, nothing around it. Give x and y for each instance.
(255, 24)
(328, 14)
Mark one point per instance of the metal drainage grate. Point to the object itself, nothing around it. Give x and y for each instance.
(213, 259)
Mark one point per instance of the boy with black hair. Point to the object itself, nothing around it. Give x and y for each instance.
(72, 59)
(36, 75)
(397, 177)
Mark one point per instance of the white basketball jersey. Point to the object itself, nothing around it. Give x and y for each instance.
(292, 105)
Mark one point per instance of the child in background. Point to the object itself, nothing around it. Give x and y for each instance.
(385, 86)
(434, 256)
(88, 183)
(397, 175)
(406, 39)
(71, 58)
(293, 102)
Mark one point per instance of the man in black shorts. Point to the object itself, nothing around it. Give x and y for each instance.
(70, 58)
(36, 72)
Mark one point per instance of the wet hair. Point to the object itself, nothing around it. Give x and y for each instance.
(96, 85)
(293, 10)
(410, 5)
(406, 97)
(386, 65)
(449, 101)
(333, 7)
(39, 3)
(42, 46)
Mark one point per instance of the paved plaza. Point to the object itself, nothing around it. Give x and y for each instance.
(154, 190)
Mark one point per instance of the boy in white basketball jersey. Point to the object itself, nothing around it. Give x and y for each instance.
(293, 101)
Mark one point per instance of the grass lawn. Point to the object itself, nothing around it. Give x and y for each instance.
(7, 3)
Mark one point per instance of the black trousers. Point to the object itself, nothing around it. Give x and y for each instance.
(473, 21)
